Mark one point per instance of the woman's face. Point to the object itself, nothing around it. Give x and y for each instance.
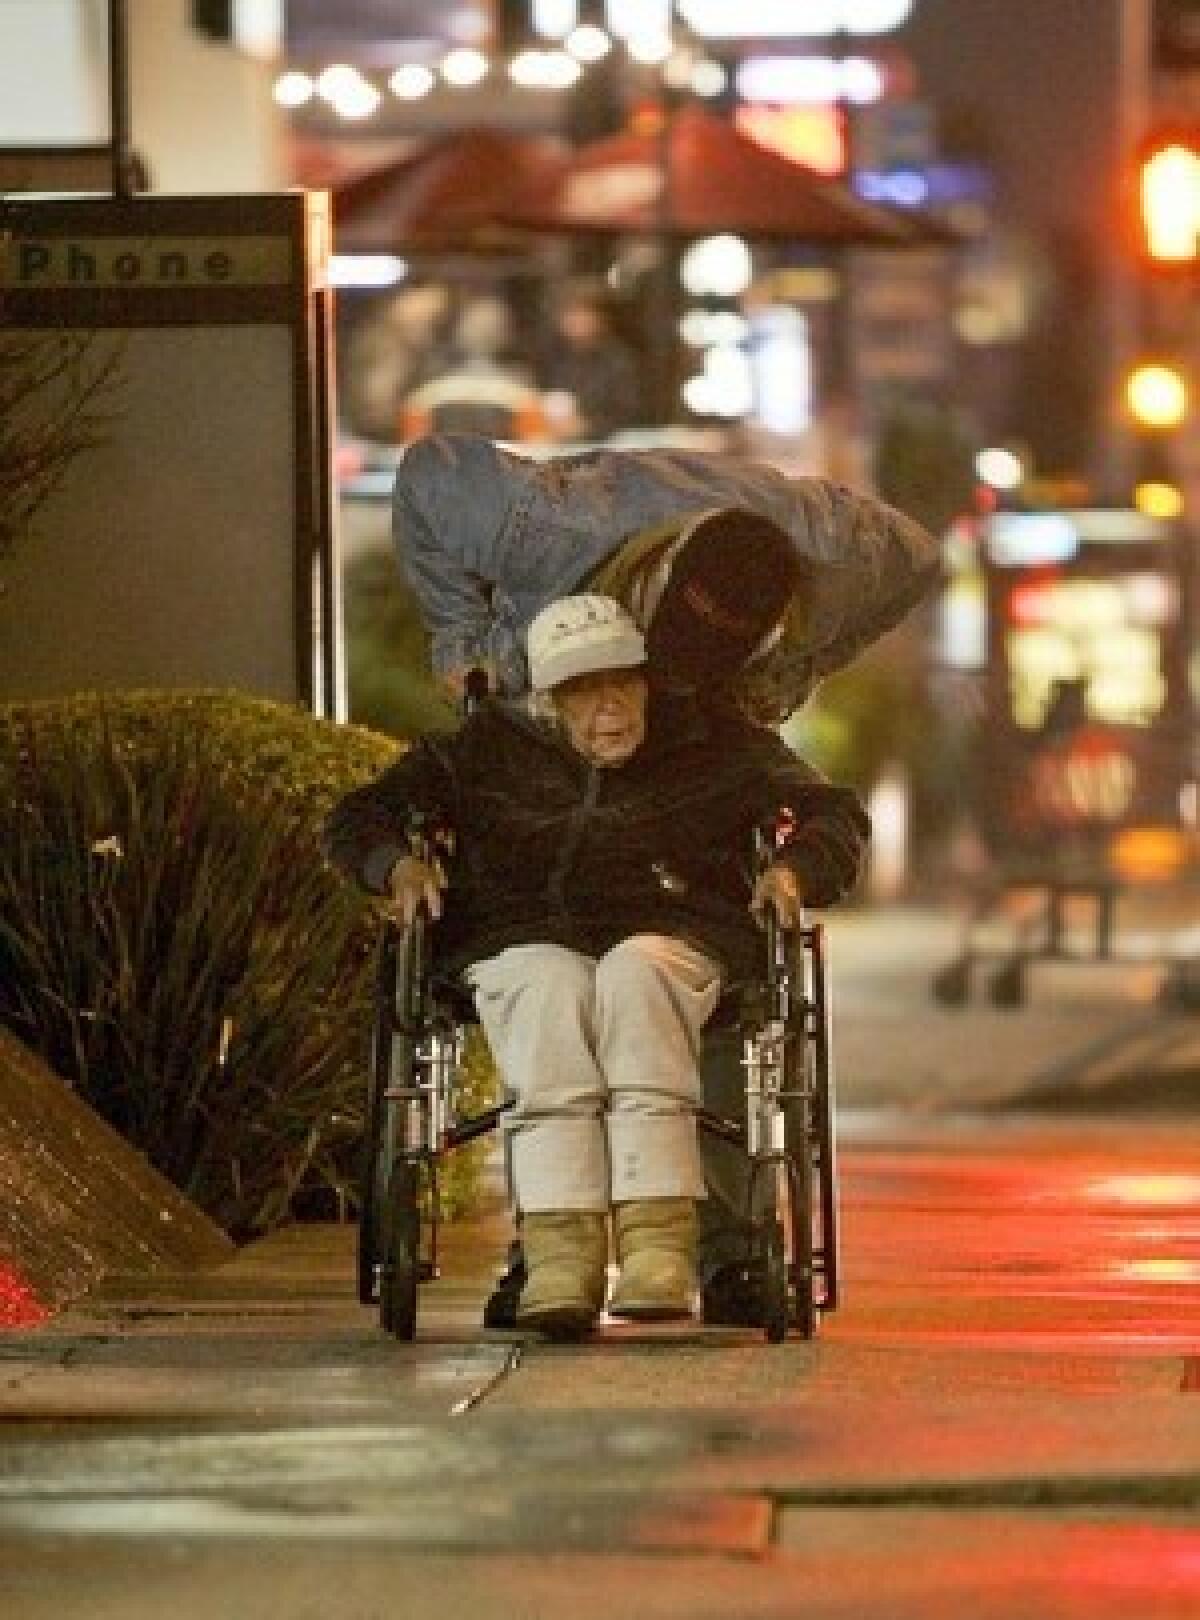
(604, 714)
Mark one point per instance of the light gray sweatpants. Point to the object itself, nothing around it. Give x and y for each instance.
(602, 1057)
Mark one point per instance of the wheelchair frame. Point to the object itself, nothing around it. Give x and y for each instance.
(787, 1132)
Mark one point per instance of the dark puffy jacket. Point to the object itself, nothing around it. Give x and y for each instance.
(548, 848)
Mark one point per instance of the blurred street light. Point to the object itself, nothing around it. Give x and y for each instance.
(1157, 395)
(588, 43)
(767, 19)
(553, 19)
(366, 270)
(411, 81)
(464, 68)
(1170, 199)
(1158, 498)
(717, 267)
(293, 89)
(347, 91)
(1000, 468)
(810, 80)
(550, 70)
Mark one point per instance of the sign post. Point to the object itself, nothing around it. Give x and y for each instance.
(118, 85)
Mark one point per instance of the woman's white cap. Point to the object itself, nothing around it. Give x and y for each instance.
(578, 635)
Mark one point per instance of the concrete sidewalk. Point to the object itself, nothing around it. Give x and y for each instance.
(1000, 1422)
(1092, 1035)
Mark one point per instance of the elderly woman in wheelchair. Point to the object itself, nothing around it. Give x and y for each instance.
(595, 889)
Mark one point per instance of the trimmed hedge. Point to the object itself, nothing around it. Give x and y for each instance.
(173, 945)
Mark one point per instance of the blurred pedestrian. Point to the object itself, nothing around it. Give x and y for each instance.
(590, 375)
(484, 388)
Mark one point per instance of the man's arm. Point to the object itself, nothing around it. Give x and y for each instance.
(882, 563)
(413, 883)
(440, 503)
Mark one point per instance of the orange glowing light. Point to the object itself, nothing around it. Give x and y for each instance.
(1158, 499)
(1160, 1268)
(809, 135)
(1158, 1190)
(1150, 854)
(1157, 395)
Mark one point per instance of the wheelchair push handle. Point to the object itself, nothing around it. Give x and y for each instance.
(769, 838)
(475, 689)
(420, 837)
(426, 840)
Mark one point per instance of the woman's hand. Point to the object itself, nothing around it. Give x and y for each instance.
(411, 883)
(778, 886)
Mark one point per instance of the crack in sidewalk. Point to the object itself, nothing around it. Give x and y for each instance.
(1172, 1491)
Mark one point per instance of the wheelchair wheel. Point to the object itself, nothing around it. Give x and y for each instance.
(775, 1282)
(827, 1259)
(804, 1255)
(377, 1149)
(806, 1306)
(401, 1263)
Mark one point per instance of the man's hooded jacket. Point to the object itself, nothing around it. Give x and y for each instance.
(487, 538)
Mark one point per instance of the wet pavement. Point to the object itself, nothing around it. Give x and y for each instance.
(1001, 1421)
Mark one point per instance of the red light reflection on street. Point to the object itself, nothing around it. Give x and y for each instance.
(1140, 1558)
(1159, 1268)
(1146, 1191)
(19, 1307)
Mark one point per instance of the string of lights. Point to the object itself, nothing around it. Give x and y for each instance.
(549, 45)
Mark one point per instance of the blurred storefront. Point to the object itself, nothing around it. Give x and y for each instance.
(1077, 630)
(54, 95)
(768, 353)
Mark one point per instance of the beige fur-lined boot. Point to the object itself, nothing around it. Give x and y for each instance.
(566, 1253)
(656, 1251)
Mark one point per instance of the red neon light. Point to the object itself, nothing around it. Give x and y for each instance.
(1028, 605)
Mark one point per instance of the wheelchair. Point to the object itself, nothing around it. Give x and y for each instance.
(421, 1019)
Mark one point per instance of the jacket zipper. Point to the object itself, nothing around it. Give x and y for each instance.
(558, 877)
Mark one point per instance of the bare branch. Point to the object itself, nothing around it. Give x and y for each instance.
(57, 395)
